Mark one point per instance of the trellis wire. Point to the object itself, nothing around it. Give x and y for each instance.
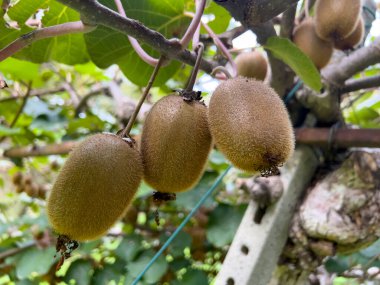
(182, 225)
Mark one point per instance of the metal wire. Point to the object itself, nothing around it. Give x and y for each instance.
(182, 225)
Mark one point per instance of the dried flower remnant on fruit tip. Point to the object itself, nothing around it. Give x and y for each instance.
(158, 199)
(65, 246)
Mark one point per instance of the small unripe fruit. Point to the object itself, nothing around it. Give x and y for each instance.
(31, 190)
(251, 64)
(353, 39)
(175, 143)
(336, 19)
(94, 187)
(318, 50)
(17, 178)
(250, 125)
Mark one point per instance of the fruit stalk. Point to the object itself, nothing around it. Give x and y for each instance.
(194, 73)
(128, 128)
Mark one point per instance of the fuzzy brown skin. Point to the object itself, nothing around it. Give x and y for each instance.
(175, 143)
(252, 64)
(353, 39)
(336, 19)
(318, 50)
(95, 187)
(250, 124)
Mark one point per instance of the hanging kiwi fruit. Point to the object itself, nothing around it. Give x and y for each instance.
(252, 64)
(176, 140)
(352, 40)
(317, 49)
(250, 125)
(336, 19)
(94, 187)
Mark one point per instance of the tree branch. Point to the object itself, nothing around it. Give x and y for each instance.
(340, 138)
(287, 22)
(256, 12)
(309, 136)
(361, 83)
(94, 13)
(36, 92)
(43, 33)
(357, 61)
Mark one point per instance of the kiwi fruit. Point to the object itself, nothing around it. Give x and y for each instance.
(250, 125)
(318, 50)
(251, 64)
(94, 187)
(31, 190)
(353, 39)
(17, 178)
(336, 19)
(175, 143)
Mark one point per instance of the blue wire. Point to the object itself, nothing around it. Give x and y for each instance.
(182, 225)
(292, 92)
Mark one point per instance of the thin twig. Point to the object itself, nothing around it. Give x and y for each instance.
(218, 43)
(194, 24)
(36, 92)
(198, 30)
(134, 43)
(20, 110)
(306, 2)
(131, 121)
(361, 83)
(223, 70)
(68, 86)
(14, 251)
(194, 73)
(48, 32)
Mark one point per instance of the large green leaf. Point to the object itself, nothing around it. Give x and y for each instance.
(68, 49)
(23, 10)
(107, 47)
(79, 271)
(220, 20)
(223, 223)
(154, 273)
(302, 65)
(35, 260)
(19, 70)
(189, 199)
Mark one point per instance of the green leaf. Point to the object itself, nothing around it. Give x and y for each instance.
(189, 199)
(129, 247)
(107, 47)
(221, 18)
(289, 53)
(223, 223)
(193, 276)
(80, 271)
(68, 49)
(105, 275)
(19, 69)
(336, 265)
(23, 10)
(178, 245)
(5, 131)
(35, 260)
(154, 273)
(372, 250)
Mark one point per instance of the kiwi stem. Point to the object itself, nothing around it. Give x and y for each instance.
(306, 9)
(200, 6)
(131, 121)
(134, 43)
(217, 42)
(194, 73)
(221, 69)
